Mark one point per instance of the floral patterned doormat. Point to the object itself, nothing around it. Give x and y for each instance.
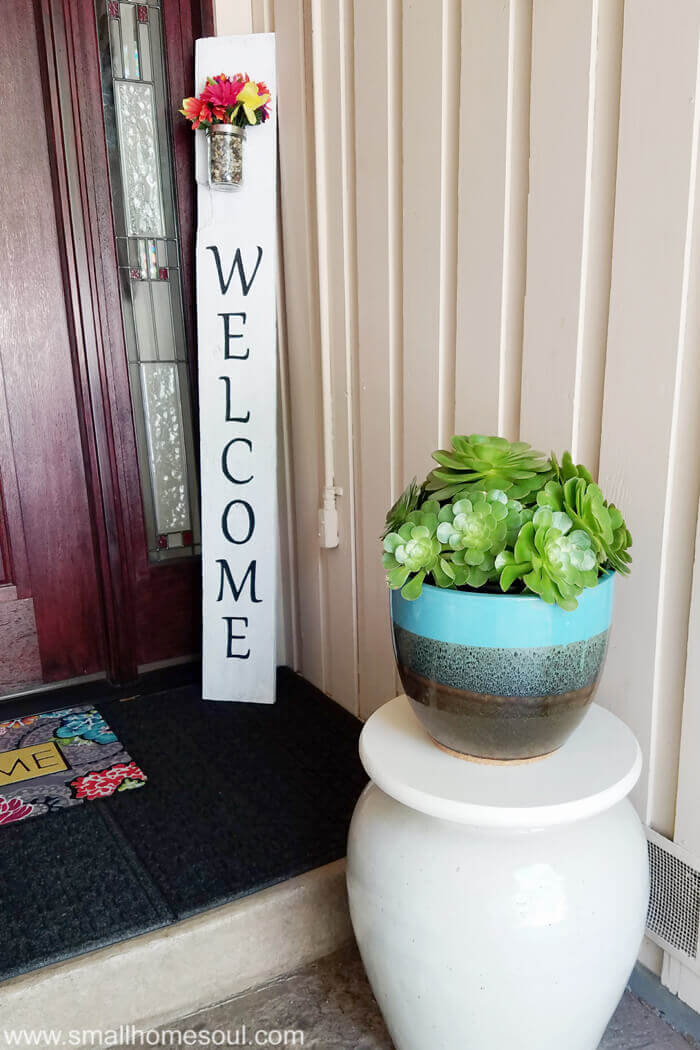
(60, 759)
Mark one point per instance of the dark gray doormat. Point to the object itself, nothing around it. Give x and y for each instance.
(239, 797)
(59, 759)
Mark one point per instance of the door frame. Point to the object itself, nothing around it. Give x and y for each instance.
(69, 57)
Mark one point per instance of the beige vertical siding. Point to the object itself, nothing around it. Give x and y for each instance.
(490, 223)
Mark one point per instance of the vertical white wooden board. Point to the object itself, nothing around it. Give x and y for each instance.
(561, 42)
(373, 142)
(296, 159)
(684, 487)
(493, 180)
(335, 226)
(239, 517)
(647, 433)
(233, 16)
(573, 134)
(687, 825)
(679, 978)
(422, 122)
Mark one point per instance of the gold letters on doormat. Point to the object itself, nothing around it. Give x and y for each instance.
(26, 763)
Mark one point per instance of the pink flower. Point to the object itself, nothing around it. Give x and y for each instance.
(12, 809)
(222, 91)
(104, 782)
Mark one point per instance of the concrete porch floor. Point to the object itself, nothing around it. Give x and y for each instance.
(331, 1002)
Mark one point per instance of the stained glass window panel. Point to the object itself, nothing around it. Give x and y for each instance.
(152, 254)
(138, 115)
(144, 52)
(130, 51)
(161, 397)
(115, 37)
(162, 312)
(143, 320)
(139, 158)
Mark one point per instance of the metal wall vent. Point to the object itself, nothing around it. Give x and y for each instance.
(673, 919)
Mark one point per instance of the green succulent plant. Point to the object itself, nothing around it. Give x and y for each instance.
(582, 500)
(568, 469)
(398, 514)
(495, 512)
(517, 516)
(488, 463)
(551, 559)
(413, 552)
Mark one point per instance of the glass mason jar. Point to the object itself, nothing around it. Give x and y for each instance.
(225, 150)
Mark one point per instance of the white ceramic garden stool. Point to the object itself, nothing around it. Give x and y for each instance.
(497, 907)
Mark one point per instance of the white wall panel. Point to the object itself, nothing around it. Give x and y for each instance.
(687, 831)
(680, 979)
(489, 220)
(332, 41)
(649, 458)
(379, 321)
(573, 133)
(297, 207)
(422, 114)
(493, 185)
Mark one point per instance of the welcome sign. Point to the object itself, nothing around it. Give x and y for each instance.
(236, 260)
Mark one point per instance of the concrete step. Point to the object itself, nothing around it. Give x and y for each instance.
(185, 967)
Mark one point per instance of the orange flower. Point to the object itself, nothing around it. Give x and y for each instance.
(197, 111)
(205, 116)
(191, 108)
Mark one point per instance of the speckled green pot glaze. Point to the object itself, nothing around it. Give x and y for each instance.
(500, 677)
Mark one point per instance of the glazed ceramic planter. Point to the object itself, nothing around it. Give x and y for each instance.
(500, 677)
(497, 908)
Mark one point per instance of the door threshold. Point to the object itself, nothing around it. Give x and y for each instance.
(94, 689)
(35, 688)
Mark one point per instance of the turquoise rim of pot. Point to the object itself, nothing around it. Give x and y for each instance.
(500, 621)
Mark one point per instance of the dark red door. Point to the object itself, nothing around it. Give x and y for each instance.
(99, 570)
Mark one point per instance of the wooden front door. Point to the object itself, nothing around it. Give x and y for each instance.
(99, 567)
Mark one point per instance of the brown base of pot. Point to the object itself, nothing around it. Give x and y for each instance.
(486, 727)
(490, 761)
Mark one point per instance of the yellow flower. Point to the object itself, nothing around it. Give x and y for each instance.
(249, 98)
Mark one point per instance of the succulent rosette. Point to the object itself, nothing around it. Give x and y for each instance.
(552, 559)
(583, 502)
(413, 552)
(488, 463)
(473, 529)
(475, 524)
